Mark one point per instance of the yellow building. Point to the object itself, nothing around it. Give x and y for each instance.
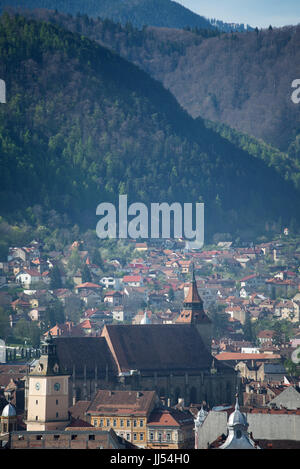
(170, 428)
(126, 412)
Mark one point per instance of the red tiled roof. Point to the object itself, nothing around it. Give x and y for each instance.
(132, 278)
(169, 418)
(122, 402)
(246, 356)
(88, 285)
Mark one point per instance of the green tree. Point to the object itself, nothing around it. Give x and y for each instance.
(55, 278)
(86, 274)
(27, 330)
(248, 330)
(4, 323)
(74, 262)
(171, 294)
(54, 314)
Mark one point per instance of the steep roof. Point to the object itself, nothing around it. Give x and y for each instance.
(157, 347)
(170, 417)
(107, 402)
(81, 351)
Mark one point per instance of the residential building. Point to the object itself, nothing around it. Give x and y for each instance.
(169, 428)
(126, 412)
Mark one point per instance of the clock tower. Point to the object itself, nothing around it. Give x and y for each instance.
(48, 392)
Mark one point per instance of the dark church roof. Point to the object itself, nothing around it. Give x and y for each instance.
(81, 351)
(158, 347)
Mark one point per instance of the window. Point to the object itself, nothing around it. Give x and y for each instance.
(141, 423)
(141, 436)
(114, 423)
(128, 436)
(134, 423)
(128, 423)
(56, 437)
(101, 422)
(91, 437)
(56, 414)
(56, 402)
(39, 437)
(135, 436)
(73, 437)
(159, 436)
(107, 422)
(121, 423)
(36, 417)
(95, 423)
(151, 436)
(36, 402)
(168, 436)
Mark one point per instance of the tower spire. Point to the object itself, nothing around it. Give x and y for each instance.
(193, 311)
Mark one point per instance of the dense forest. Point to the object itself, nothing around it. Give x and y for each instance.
(165, 13)
(241, 79)
(82, 125)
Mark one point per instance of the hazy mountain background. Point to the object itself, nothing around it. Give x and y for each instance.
(96, 109)
(165, 13)
(82, 125)
(240, 80)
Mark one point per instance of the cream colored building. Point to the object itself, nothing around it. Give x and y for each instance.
(47, 399)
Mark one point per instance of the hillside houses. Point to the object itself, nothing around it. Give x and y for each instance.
(233, 280)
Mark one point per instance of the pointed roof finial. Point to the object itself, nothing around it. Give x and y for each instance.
(193, 294)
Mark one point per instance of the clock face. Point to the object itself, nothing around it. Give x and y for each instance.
(57, 386)
(37, 386)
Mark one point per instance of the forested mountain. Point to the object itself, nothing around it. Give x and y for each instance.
(240, 79)
(82, 125)
(165, 13)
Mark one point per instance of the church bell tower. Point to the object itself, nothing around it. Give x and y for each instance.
(193, 313)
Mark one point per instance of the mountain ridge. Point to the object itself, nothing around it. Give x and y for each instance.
(82, 125)
(165, 13)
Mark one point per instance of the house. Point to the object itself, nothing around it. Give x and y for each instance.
(169, 428)
(90, 298)
(236, 312)
(37, 314)
(81, 436)
(110, 282)
(141, 247)
(133, 280)
(113, 298)
(271, 372)
(185, 266)
(65, 329)
(88, 286)
(118, 313)
(126, 412)
(87, 326)
(265, 337)
(289, 398)
(287, 309)
(28, 278)
(251, 282)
